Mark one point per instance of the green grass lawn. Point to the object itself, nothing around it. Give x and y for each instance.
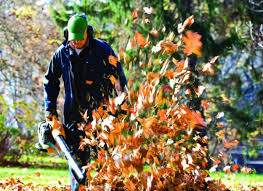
(54, 176)
(239, 178)
(48, 170)
(36, 175)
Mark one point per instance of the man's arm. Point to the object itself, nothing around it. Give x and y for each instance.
(51, 85)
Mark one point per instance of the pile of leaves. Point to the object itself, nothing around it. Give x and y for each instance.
(18, 185)
(151, 142)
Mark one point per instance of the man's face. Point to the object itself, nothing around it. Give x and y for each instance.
(80, 43)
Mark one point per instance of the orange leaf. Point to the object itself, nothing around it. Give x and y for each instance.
(135, 13)
(85, 116)
(188, 92)
(168, 47)
(89, 82)
(228, 145)
(212, 61)
(124, 107)
(220, 126)
(155, 33)
(235, 167)
(133, 43)
(130, 82)
(180, 66)
(220, 134)
(235, 142)
(140, 39)
(169, 74)
(112, 139)
(113, 60)
(208, 69)
(112, 79)
(192, 43)
(38, 174)
(205, 104)
(189, 21)
(150, 63)
(121, 54)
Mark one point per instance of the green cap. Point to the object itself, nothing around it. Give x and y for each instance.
(77, 26)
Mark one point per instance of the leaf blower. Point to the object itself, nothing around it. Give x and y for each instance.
(51, 136)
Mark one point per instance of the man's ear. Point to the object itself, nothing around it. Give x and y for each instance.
(66, 33)
(90, 31)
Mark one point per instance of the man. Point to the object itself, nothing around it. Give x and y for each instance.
(83, 63)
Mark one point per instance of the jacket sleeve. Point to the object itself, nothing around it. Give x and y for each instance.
(51, 83)
(117, 71)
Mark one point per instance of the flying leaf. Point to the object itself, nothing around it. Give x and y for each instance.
(150, 62)
(140, 39)
(228, 145)
(227, 169)
(112, 79)
(113, 60)
(212, 61)
(235, 142)
(38, 174)
(155, 33)
(220, 126)
(121, 54)
(192, 43)
(206, 105)
(168, 47)
(208, 69)
(89, 82)
(235, 167)
(148, 10)
(189, 21)
(188, 92)
(199, 91)
(135, 13)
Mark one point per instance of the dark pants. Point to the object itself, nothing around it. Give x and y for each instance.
(82, 157)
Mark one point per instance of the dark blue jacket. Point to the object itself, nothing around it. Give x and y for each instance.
(86, 78)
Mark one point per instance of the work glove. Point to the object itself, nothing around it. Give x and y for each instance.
(44, 136)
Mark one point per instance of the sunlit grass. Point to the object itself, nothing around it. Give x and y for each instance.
(36, 175)
(239, 178)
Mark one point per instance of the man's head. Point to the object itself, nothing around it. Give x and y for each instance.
(77, 30)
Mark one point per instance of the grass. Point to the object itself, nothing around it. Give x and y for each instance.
(48, 170)
(45, 161)
(36, 175)
(48, 176)
(239, 178)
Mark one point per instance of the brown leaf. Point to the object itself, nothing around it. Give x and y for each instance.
(208, 69)
(168, 47)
